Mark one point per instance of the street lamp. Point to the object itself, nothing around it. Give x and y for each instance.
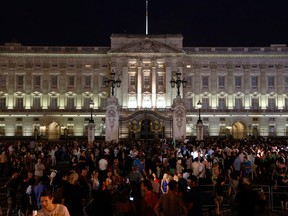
(112, 81)
(91, 106)
(91, 126)
(199, 106)
(178, 82)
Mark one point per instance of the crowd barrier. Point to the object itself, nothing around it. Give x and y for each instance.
(266, 194)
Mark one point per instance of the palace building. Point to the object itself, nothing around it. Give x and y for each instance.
(48, 90)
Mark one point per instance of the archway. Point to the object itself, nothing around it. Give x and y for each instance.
(54, 131)
(238, 130)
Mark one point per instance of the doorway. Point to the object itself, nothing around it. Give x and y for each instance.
(239, 130)
(54, 131)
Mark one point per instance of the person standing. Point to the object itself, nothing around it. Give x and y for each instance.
(194, 196)
(164, 184)
(39, 170)
(171, 204)
(12, 187)
(73, 196)
(49, 208)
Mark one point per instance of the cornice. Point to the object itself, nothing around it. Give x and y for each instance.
(49, 55)
(237, 55)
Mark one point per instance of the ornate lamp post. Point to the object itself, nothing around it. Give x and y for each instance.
(91, 125)
(199, 125)
(114, 83)
(199, 106)
(178, 82)
(91, 106)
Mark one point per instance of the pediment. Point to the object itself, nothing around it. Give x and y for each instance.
(147, 46)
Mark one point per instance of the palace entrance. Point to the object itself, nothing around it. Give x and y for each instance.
(146, 124)
(239, 130)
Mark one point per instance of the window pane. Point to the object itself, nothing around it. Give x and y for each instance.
(36, 103)
(238, 81)
(254, 81)
(54, 81)
(87, 81)
(70, 103)
(2, 103)
(19, 103)
(3, 80)
(53, 103)
(132, 80)
(37, 81)
(160, 80)
(221, 80)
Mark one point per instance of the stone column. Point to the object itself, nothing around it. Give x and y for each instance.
(199, 130)
(91, 133)
(112, 120)
(179, 119)
(139, 88)
(154, 86)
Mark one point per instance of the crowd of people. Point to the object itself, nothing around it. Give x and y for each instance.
(134, 177)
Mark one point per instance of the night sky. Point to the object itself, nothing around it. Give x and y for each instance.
(204, 23)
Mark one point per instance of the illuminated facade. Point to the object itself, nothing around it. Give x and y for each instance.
(47, 90)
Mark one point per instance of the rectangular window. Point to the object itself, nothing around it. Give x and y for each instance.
(70, 129)
(255, 103)
(160, 80)
(286, 82)
(2, 103)
(205, 103)
(53, 103)
(87, 81)
(205, 82)
(3, 80)
(132, 80)
(238, 103)
(286, 103)
(36, 103)
(19, 130)
(271, 103)
(238, 81)
(71, 81)
(221, 103)
(189, 82)
(271, 81)
(2, 129)
(146, 81)
(70, 103)
(37, 81)
(189, 103)
(20, 81)
(19, 103)
(104, 81)
(272, 131)
(103, 103)
(221, 81)
(86, 103)
(254, 81)
(54, 81)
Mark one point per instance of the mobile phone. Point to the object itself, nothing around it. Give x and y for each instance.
(34, 213)
(131, 198)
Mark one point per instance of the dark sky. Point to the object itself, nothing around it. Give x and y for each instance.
(91, 22)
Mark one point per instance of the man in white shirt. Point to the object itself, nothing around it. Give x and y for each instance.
(103, 165)
(49, 208)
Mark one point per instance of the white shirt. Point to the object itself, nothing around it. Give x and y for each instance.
(103, 164)
(59, 210)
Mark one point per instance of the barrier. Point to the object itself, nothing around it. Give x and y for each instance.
(278, 194)
(264, 194)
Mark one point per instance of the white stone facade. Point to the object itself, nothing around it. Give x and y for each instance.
(244, 91)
